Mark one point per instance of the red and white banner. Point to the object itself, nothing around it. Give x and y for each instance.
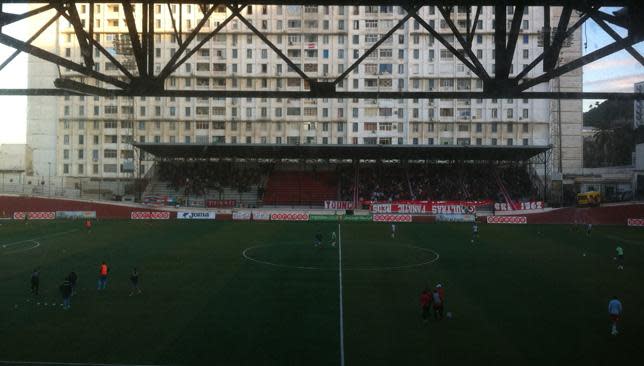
(34, 215)
(523, 206)
(635, 222)
(290, 216)
(507, 220)
(339, 205)
(391, 218)
(221, 203)
(429, 207)
(145, 215)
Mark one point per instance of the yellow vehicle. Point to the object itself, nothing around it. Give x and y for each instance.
(592, 198)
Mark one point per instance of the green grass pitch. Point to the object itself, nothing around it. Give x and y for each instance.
(523, 295)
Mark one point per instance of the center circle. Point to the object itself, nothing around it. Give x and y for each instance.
(355, 257)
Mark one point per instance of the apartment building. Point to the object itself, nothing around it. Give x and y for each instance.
(92, 136)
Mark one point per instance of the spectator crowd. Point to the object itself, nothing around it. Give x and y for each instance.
(394, 181)
(199, 176)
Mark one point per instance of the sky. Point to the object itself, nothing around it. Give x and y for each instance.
(615, 73)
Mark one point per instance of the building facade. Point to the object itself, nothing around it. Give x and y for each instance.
(638, 106)
(91, 136)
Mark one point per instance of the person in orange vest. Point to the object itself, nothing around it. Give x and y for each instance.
(102, 276)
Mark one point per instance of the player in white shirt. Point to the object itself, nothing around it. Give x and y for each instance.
(475, 232)
(333, 239)
(393, 231)
(614, 311)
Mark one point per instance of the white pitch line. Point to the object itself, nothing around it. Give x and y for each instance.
(341, 302)
(36, 245)
(67, 363)
(39, 238)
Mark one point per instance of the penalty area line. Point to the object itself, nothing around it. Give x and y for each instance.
(38, 238)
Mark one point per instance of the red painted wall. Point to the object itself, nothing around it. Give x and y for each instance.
(9, 205)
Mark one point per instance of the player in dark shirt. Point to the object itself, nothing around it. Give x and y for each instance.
(73, 278)
(35, 281)
(318, 239)
(66, 291)
(134, 281)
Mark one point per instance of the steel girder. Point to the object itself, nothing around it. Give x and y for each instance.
(500, 85)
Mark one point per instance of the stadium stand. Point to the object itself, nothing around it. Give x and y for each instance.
(388, 182)
(300, 188)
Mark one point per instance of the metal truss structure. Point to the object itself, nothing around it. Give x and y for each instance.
(140, 79)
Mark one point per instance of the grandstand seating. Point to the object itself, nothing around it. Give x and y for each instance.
(300, 188)
(162, 189)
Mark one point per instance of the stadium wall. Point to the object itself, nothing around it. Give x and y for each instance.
(11, 204)
(606, 215)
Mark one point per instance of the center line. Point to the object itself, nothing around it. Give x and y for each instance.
(341, 306)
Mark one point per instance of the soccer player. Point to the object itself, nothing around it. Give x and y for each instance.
(102, 276)
(66, 291)
(35, 281)
(88, 226)
(620, 257)
(425, 302)
(318, 239)
(393, 231)
(589, 228)
(73, 278)
(437, 304)
(614, 311)
(475, 232)
(441, 293)
(134, 281)
(333, 239)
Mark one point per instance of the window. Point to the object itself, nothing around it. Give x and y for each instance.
(447, 112)
(109, 168)
(525, 128)
(293, 111)
(525, 113)
(109, 154)
(509, 142)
